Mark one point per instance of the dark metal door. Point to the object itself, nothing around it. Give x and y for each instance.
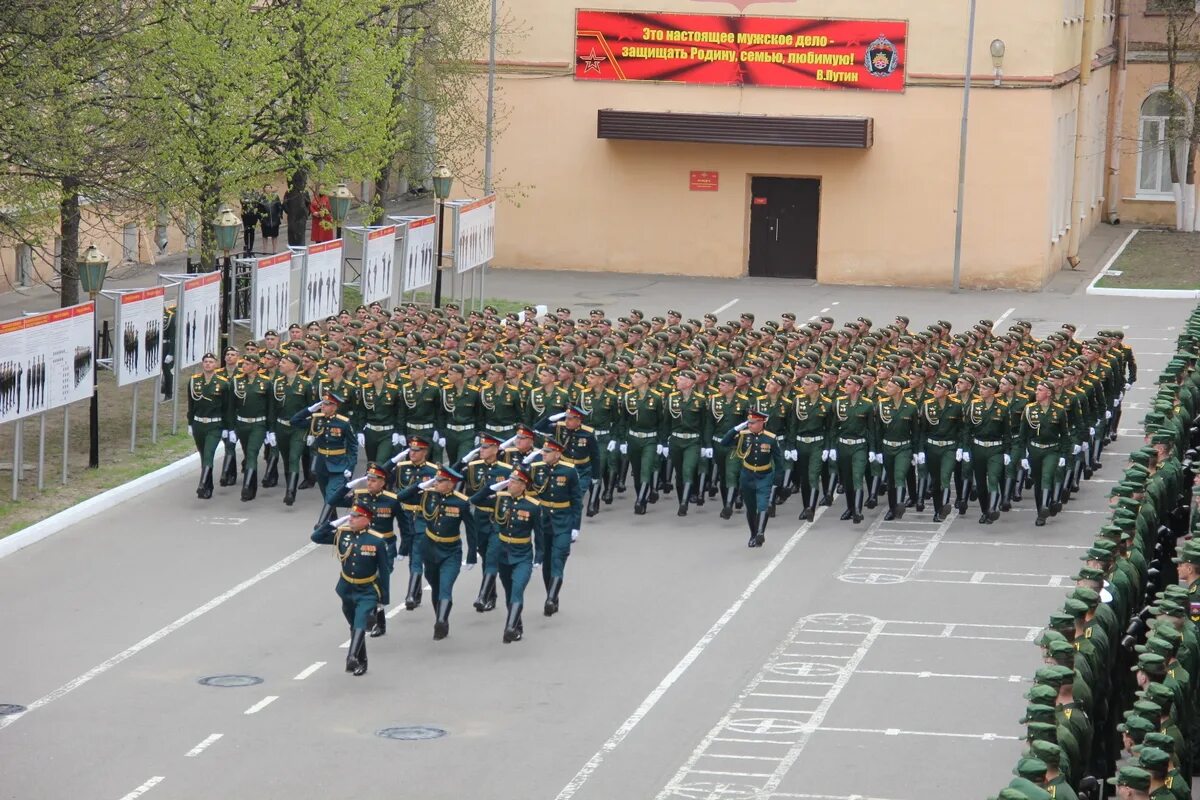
(784, 216)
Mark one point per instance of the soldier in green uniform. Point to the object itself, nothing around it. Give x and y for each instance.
(378, 402)
(209, 414)
(254, 415)
(760, 455)
(726, 408)
(291, 393)
(897, 432)
(362, 555)
(556, 487)
(985, 446)
(408, 473)
(603, 408)
(444, 517)
(420, 399)
(546, 398)
(688, 432)
(230, 369)
(461, 414)
(941, 436)
(1045, 440)
(479, 474)
(1012, 390)
(517, 520)
(645, 426)
(853, 434)
(501, 402)
(808, 439)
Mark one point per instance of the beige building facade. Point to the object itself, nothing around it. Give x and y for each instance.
(883, 213)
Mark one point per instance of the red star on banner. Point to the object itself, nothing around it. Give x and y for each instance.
(592, 62)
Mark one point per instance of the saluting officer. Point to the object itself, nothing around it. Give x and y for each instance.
(363, 556)
(897, 437)
(759, 453)
(385, 509)
(254, 411)
(478, 475)
(444, 516)
(332, 438)
(556, 487)
(208, 414)
(292, 392)
(415, 470)
(1046, 441)
(517, 519)
(579, 450)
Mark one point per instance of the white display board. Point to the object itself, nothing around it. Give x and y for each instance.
(419, 252)
(322, 292)
(198, 323)
(379, 253)
(269, 294)
(46, 360)
(137, 342)
(474, 233)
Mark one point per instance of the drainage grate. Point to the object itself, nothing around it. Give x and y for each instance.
(230, 681)
(11, 709)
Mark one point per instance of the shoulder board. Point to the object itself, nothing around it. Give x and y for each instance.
(476, 461)
(768, 433)
(461, 496)
(1003, 403)
(502, 465)
(391, 386)
(304, 378)
(609, 391)
(407, 384)
(672, 394)
(657, 392)
(391, 495)
(587, 428)
(359, 492)
(405, 464)
(1058, 405)
(222, 378)
(930, 400)
(342, 418)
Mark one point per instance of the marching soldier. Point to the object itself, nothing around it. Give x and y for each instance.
(461, 414)
(579, 450)
(362, 555)
(501, 402)
(420, 401)
(688, 430)
(292, 393)
(808, 436)
(517, 520)
(477, 476)
(378, 401)
(726, 408)
(332, 437)
(254, 415)
(645, 430)
(411, 472)
(385, 510)
(853, 434)
(941, 425)
(209, 414)
(1046, 441)
(897, 431)
(985, 444)
(557, 489)
(759, 454)
(230, 369)
(444, 517)
(602, 406)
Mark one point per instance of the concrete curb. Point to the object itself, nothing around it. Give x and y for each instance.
(1162, 294)
(105, 500)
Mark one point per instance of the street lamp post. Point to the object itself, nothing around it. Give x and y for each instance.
(339, 206)
(443, 179)
(93, 268)
(225, 226)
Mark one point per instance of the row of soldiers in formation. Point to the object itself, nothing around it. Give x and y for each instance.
(1114, 703)
(925, 415)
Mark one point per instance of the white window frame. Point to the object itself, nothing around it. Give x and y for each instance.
(1163, 158)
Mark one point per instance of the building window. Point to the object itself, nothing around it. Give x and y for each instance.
(1154, 162)
(24, 265)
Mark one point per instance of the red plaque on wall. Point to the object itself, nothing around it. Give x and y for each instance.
(703, 181)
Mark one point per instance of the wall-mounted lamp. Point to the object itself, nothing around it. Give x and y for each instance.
(997, 60)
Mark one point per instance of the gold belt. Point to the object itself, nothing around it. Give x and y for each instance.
(358, 581)
(554, 504)
(757, 469)
(574, 462)
(341, 452)
(443, 539)
(513, 540)
(407, 507)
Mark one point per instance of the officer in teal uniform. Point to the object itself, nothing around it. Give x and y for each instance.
(444, 516)
(363, 556)
(580, 450)
(477, 476)
(517, 519)
(385, 510)
(332, 439)
(409, 473)
(556, 487)
(760, 455)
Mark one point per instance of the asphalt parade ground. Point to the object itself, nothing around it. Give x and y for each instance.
(880, 660)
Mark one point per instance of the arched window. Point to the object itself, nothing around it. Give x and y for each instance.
(1154, 128)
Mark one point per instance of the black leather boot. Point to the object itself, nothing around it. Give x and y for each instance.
(858, 506)
(513, 629)
(293, 483)
(229, 468)
(752, 523)
(551, 607)
(380, 626)
(250, 485)
(684, 491)
(412, 599)
(890, 514)
(760, 534)
(310, 480)
(356, 656)
(441, 627)
(486, 600)
(726, 504)
(1039, 501)
(271, 473)
(850, 507)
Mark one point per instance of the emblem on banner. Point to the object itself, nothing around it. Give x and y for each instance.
(882, 58)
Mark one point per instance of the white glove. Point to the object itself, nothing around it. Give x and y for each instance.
(558, 416)
(189, 430)
(495, 487)
(612, 446)
(468, 566)
(574, 535)
(168, 359)
(824, 455)
(233, 437)
(427, 484)
(1025, 465)
(662, 450)
(362, 440)
(1076, 449)
(271, 439)
(397, 440)
(1108, 415)
(920, 458)
(1007, 459)
(315, 407)
(441, 440)
(1062, 462)
(879, 458)
(870, 456)
(966, 456)
(340, 521)
(1128, 386)
(832, 454)
(310, 440)
(916, 459)
(793, 455)
(476, 442)
(624, 448)
(537, 564)
(958, 454)
(706, 452)
(529, 458)
(741, 425)
(348, 473)
(1092, 431)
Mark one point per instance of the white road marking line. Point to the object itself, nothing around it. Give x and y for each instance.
(755, 758)
(614, 741)
(158, 635)
(309, 670)
(1003, 317)
(1022, 545)
(394, 610)
(200, 748)
(825, 310)
(921, 543)
(936, 636)
(724, 307)
(932, 675)
(145, 787)
(987, 737)
(261, 704)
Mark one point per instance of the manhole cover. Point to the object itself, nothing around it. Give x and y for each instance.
(230, 681)
(411, 733)
(9, 709)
